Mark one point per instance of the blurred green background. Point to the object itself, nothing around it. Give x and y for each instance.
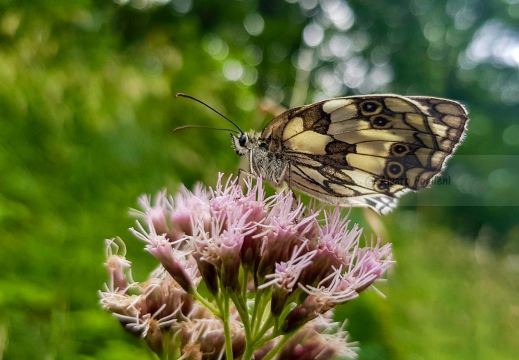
(87, 114)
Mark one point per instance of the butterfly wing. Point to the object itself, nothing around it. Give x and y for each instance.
(367, 150)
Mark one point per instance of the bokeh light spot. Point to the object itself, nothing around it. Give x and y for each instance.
(340, 45)
(277, 52)
(433, 31)
(215, 47)
(253, 55)
(313, 34)
(501, 178)
(339, 13)
(182, 6)
(232, 70)
(511, 135)
(254, 24)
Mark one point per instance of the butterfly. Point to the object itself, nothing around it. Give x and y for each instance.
(359, 150)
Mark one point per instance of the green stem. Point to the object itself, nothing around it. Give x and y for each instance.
(226, 328)
(254, 315)
(244, 315)
(206, 303)
(262, 300)
(249, 352)
(256, 323)
(244, 284)
(241, 307)
(259, 334)
(275, 350)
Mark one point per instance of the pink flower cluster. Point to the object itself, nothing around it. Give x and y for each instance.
(242, 275)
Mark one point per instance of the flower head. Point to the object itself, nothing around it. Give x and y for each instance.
(260, 261)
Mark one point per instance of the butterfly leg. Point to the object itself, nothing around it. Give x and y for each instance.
(283, 181)
(245, 173)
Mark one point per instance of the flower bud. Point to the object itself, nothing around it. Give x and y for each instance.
(300, 315)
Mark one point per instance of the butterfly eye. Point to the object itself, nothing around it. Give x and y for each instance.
(243, 139)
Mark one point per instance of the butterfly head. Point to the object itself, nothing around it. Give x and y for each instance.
(239, 143)
(245, 142)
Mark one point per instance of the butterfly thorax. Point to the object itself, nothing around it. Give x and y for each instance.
(271, 165)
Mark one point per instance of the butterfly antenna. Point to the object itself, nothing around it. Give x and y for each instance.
(203, 103)
(180, 128)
